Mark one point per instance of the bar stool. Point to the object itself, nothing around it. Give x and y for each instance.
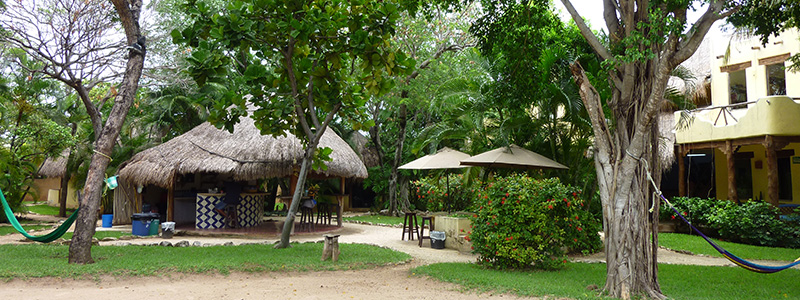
(410, 226)
(324, 213)
(421, 233)
(307, 219)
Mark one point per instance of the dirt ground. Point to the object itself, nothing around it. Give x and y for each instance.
(390, 282)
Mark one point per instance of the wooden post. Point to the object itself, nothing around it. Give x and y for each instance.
(331, 248)
(732, 194)
(772, 169)
(340, 199)
(171, 202)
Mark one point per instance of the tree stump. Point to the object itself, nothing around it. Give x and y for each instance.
(331, 248)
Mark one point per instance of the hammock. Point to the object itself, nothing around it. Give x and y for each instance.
(733, 258)
(42, 238)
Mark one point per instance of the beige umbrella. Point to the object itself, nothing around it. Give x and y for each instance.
(512, 157)
(445, 158)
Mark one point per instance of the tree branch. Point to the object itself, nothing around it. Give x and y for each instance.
(587, 32)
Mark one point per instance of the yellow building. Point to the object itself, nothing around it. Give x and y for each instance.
(750, 135)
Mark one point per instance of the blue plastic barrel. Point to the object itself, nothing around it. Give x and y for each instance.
(107, 220)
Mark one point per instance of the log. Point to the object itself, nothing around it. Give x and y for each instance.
(331, 248)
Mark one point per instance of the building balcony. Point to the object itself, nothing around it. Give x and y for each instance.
(774, 116)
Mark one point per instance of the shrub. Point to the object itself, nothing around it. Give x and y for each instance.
(434, 194)
(752, 222)
(522, 223)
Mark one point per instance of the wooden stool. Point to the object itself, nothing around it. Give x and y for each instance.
(307, 219)
(410, 226)
(421, 233)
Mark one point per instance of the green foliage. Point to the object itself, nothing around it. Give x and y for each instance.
(752, 222)
(432, 193)
(676, 281)
(27, 135)
(523, 223)
(33, 261)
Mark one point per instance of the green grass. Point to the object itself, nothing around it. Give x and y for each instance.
(44, 209)
(677, 281)
(377, 219)
(102, 234)
(6, 230)
(698, 245)
(29, 261)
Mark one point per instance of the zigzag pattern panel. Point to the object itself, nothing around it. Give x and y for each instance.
(206, 217)
(250, 210)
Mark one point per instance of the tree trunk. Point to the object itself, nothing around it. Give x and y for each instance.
(622, 161)
(398, 156)
(288, 223)
(81, 246)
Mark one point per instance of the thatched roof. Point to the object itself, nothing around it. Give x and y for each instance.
(368, 154)
(244, 154)
(666, 139)
(54, 166)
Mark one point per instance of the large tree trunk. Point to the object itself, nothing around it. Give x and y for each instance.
(81, 246)
(398, 156)
(623, 160)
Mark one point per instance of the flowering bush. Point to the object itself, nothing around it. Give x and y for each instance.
(522, 222)
(433, 193)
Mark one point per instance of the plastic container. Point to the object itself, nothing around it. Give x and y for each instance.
(437, 239)
(141, 223)
(107, 220)
(167, 229)
(152, 229)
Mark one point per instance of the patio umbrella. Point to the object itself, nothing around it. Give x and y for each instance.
(512, 157)
(445, 158)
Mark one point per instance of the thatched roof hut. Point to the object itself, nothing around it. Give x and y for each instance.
(244, 154)
(54, 166)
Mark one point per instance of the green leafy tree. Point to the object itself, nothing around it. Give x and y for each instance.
(647, 40)
(27, 136)
(300, 64)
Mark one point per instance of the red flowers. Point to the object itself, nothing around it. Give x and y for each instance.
(574, 194)
(550, 206)
(576, 217)
(506, 194)
(580, 229)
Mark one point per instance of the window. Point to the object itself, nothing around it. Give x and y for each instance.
(776, 79)
(738, 86)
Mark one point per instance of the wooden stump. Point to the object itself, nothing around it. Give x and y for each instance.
(331, 248)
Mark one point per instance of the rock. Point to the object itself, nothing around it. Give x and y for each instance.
(124, 244)
(165, 244)
(108, 239)
(197, 244)
(591, 287)
(228, 244)
(126, 237)
(183, 243)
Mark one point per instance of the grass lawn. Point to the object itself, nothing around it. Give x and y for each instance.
(377, 219)
(27, 261)
(5, 230)
(102, 234)
(698, 245)
(677, 281)
(44, 209)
